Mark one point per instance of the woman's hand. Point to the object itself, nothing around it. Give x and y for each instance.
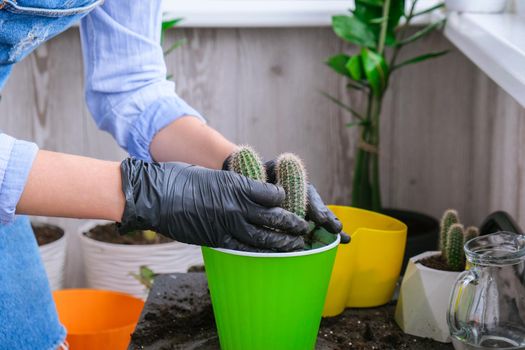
(208, 207)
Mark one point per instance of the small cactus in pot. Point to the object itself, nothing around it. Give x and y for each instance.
(453, 237)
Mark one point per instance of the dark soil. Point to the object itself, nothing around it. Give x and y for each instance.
(196, 268)
(108, 233)
(435, 262)
(45, 233)
(178, 315)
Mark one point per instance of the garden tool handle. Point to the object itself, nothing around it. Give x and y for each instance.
(464, 280)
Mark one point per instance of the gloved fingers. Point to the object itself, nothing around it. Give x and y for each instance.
(264, 238)
(263, 193)
(233, 244)
(320, 214)
(270, 171)
(279, 219)
(345, 239)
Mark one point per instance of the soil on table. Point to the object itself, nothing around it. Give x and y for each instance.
(435, 262)
(108, 233)
(46, 234)
(178, 315)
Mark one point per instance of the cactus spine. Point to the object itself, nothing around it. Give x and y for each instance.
(455, 255)
(246, 161)
(450, 217)
(470, 233)
(291, 175)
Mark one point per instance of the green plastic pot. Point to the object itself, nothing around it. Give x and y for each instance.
(265, 301)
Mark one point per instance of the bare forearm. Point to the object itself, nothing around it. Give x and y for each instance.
(189, 140)
(72, 186)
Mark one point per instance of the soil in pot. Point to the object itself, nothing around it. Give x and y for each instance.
(435, 262)
(46, 234)
(422, 233)
(108, 233)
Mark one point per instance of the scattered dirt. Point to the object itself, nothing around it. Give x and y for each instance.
(108, 233)
(196, 268)
(178, 315)
(435, 262)
(46, 233)
(369, 329)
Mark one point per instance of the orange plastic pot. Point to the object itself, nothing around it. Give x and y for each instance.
(97, 319)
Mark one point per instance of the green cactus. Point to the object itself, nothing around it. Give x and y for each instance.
(450, 217)
(246, 161)
(470, 233)
(291, 175)
(455, 255)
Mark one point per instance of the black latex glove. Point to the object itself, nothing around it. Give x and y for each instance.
(317, 212)
(207, 207)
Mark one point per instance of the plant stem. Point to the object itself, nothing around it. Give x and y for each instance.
(375, 181)
(402, 30)
(384, 27)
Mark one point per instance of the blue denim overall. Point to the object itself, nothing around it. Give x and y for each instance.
(28, 319)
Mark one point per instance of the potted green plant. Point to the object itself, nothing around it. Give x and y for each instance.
(379, 29)
(271, 300)
(429, 280)
(52, 246)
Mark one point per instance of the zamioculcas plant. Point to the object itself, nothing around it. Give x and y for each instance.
(379, 29)
(452, 239)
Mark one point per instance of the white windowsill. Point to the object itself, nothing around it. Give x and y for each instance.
(262, 13)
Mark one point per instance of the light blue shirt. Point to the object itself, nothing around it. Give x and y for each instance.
(126, 88)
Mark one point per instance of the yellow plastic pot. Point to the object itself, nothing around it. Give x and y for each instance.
(366, 270)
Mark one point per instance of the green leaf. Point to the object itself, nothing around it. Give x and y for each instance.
(373, 17)
(423, 32)
(420, 58)
(355, 67)
(430, 9)
(376, 70)
(357, 85)
(171, 23)
(356, 123)
(351, 29)
(338, 64)
(375, 3)
(344, 106)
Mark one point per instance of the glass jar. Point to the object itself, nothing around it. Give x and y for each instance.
(487, 306)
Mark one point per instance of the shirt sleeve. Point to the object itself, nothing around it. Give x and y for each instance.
(125, 74)
(16, 159)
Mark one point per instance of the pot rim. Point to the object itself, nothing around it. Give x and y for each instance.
(83, 229)
(426, 255)
(281, 255)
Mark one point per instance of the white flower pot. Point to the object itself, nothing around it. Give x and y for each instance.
(54, 258)
(424, 299)
(109, 265)
(477, 6)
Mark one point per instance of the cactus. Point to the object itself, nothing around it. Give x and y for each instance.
(291, 175)
(246, 161)
(470, 233)
(450, 217)
(455, 255)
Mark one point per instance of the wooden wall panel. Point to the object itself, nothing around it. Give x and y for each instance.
(450, 136)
